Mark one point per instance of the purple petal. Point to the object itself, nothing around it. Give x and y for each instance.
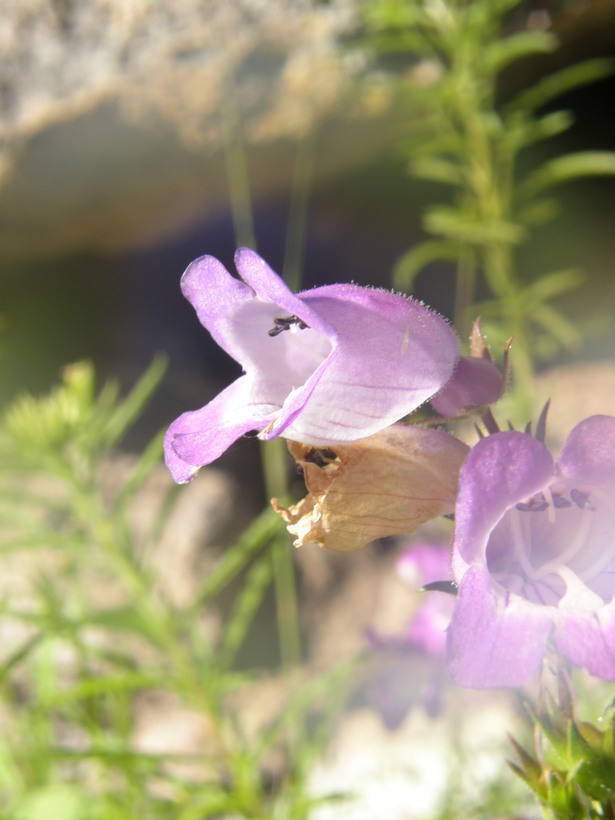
(270, 287)
(239, 318)
(427, 629)
(494, 641)
(589, 453)
(216, 296)
(199, 437)
(392, 355)
(476, 382)
(588, 640)
(500, 471)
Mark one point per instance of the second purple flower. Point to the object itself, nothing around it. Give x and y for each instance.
(534, 556)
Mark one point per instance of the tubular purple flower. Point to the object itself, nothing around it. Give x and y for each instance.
(325, 366)
(534, 556)
(412, 666)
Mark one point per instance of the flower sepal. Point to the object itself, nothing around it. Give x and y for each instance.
(572, 770)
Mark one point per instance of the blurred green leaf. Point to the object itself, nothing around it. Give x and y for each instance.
(566, 168)
(436, 169)
(538, 212)
(550, 285)
(61, 801)
(500, 54)
(466, 227)
(521, 132)
(248, 600)
(125, 415)
(561, 82)
(99, 686)
(396, 14)
(528, 769)
(19, 655)
(413, 261)
(145, 465)
(256, 537)
(558, 326)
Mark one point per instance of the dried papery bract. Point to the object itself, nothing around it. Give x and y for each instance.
(387, 484)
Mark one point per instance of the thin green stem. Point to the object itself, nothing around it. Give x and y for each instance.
(465, 291)
(275, 469)
(237, 170)
(292, 271)
(286, 603)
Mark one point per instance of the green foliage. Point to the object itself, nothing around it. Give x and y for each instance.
(469, 143)
(572, 772)
(78, 664)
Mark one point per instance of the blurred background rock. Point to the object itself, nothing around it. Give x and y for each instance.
(126, 124)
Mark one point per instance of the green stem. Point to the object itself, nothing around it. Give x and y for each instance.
(292, 271)
(237, 171)
(276, 485)
(465, 291)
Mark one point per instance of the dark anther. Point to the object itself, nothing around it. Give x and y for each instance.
(535, 504)
(560, 502)
(581, 499)
(321, 457)
(282, 323)
(449, 587)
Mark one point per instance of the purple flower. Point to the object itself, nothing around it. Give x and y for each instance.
(418, 566)
(326, 366)
(534, 556)
(410, 666)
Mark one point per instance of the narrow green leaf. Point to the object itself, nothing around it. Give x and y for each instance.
(567, 168)
(521, 132)
(248, 601)
(143, 469)
(396, 42)
(464, 227)
(131, 408)
(390, 14)
(538, 212)
(550, 285)
(437, 140)
(413, 261)
(502, 53)
(15, 658)
(561, 82)
(436, 169)
(255, 538)
(95, 687)
(528, 768)
(557, 326)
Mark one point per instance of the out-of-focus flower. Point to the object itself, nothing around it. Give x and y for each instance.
(534, 556)
(387, 484)
(409, 666)
(418, 566)
(326, 366)
(476, 382)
